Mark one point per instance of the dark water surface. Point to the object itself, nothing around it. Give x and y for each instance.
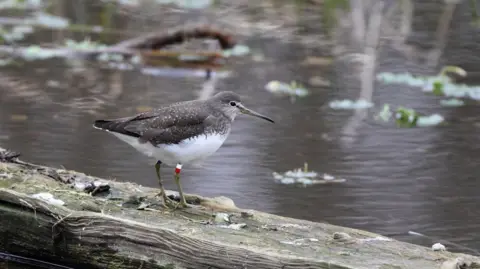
(398, 180)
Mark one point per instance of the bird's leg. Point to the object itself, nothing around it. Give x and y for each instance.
(166, 200)
(183, 202)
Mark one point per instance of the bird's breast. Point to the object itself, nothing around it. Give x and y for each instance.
(192, 149)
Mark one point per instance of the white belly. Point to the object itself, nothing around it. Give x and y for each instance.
(186, 152)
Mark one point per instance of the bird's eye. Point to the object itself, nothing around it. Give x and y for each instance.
(232, 103)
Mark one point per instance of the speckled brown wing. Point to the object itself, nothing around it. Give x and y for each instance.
(165, 125)
(182, 130)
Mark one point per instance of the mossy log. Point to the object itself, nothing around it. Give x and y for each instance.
(124, 226)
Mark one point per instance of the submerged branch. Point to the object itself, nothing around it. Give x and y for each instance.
(160, 40)
(148, 47)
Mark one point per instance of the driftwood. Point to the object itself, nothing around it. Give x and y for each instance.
(124, 226)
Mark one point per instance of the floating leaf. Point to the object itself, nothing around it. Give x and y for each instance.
(437, 88)
(406, 117)
(349, 104)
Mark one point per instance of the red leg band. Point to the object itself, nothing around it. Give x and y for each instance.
(178, 168)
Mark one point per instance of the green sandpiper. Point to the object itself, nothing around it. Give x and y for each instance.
(180, 133)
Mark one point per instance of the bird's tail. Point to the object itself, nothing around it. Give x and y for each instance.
(116, 126)
(102, 124)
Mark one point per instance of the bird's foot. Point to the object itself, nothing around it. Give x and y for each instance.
(167, 201)
(183, 204)
(171, 203)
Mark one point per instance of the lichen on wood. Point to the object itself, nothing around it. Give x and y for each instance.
(110, 229)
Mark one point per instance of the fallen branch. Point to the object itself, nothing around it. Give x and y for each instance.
(110, 231)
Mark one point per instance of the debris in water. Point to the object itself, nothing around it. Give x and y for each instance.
(415, 233)
(349, 104)
(453, 102)
(53, 83)
(293, 89)
(408, 118)
(35, 52)
(51, 21)
(304, 177)
(385, 114)
(18, 117)
(34, 4)
(17, 33)
(238, 50)
(439, 84)
(190, 4)
(48, 197)
(317, 81)
(432, 120)
(438, 247)
(86, 44)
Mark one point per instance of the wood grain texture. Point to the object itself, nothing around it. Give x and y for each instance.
(101, 232)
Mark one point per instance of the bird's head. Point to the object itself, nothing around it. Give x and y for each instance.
(231, 105)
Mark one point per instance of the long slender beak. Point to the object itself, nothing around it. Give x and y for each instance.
(248, 111)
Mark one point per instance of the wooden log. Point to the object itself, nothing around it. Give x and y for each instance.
(124, 226)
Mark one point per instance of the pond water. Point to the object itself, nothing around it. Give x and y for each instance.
(398, 180)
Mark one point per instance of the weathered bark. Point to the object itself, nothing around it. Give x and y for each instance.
(107, 230)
